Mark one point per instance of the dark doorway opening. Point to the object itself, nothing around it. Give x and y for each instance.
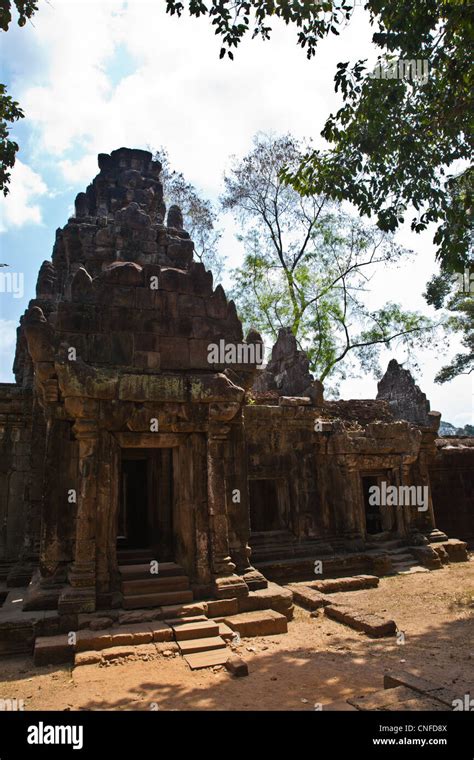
(145, 520)
(133, 530)
(265, 506)
(373, 515)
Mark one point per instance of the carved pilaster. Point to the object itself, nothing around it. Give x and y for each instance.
(227, 584)
(82, 574)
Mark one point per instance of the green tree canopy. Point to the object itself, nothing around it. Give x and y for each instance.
(308, 266)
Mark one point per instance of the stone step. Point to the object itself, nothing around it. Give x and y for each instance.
(403, 564)
(207, 659)
(203, 629)
(257, 623)
(225, 632)
(201, 645)
(169, 612)
(157, 600)
(155, 584)
(405, 557)
(138, 571)
(399, 550)
(186, 619)
(413, 569)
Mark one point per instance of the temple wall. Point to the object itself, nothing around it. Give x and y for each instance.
(15, 466)
(452, 484)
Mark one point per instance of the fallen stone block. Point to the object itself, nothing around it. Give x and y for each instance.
(426, 556)
(53, 650)
(307, 597)
(397, 698)
(396, 678)
(456, 550)
(237, 666)
(352, 583)
(371, 624)
(258, 623)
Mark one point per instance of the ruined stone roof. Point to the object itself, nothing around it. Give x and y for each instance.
(122, 287)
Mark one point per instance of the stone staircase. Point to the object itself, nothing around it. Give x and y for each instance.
(403, 561)
(275, 544)
(201, 642)
(142, 588)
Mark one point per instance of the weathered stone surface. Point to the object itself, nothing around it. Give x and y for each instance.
(52, 650)
(237, 666)
(371, 624)
(288, 371)
(190, 646)
(87, 639)
(307, 597)
(456, 550)
(406, 399)
(117, 653)
(260, 623)
(402, 678)
(273, 597)
(354, 583)
(208, 659)
(220, 607)
(169, 612)
(399, 698)
(87, 658)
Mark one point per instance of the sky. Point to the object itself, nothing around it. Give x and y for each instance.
(95, 75)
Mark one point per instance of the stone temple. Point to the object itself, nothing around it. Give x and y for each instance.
(122, 445)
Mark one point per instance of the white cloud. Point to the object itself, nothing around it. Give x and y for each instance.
(178, 93)
(20, 206)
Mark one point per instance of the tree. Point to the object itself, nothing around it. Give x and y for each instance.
(446, 291)
(200, 217)
(10, 111)
(307, 265)
(399, 142)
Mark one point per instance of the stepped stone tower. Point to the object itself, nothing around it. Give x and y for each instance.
(116, 343)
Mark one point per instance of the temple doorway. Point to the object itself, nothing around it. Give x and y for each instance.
(267, 506)
(145, 517)
(380, 518)
(373, 515)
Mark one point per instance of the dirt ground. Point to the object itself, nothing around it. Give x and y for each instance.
(317, 662)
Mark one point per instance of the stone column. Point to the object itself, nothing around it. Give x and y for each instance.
(351, 498)
(226, 583)
(80, 597)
